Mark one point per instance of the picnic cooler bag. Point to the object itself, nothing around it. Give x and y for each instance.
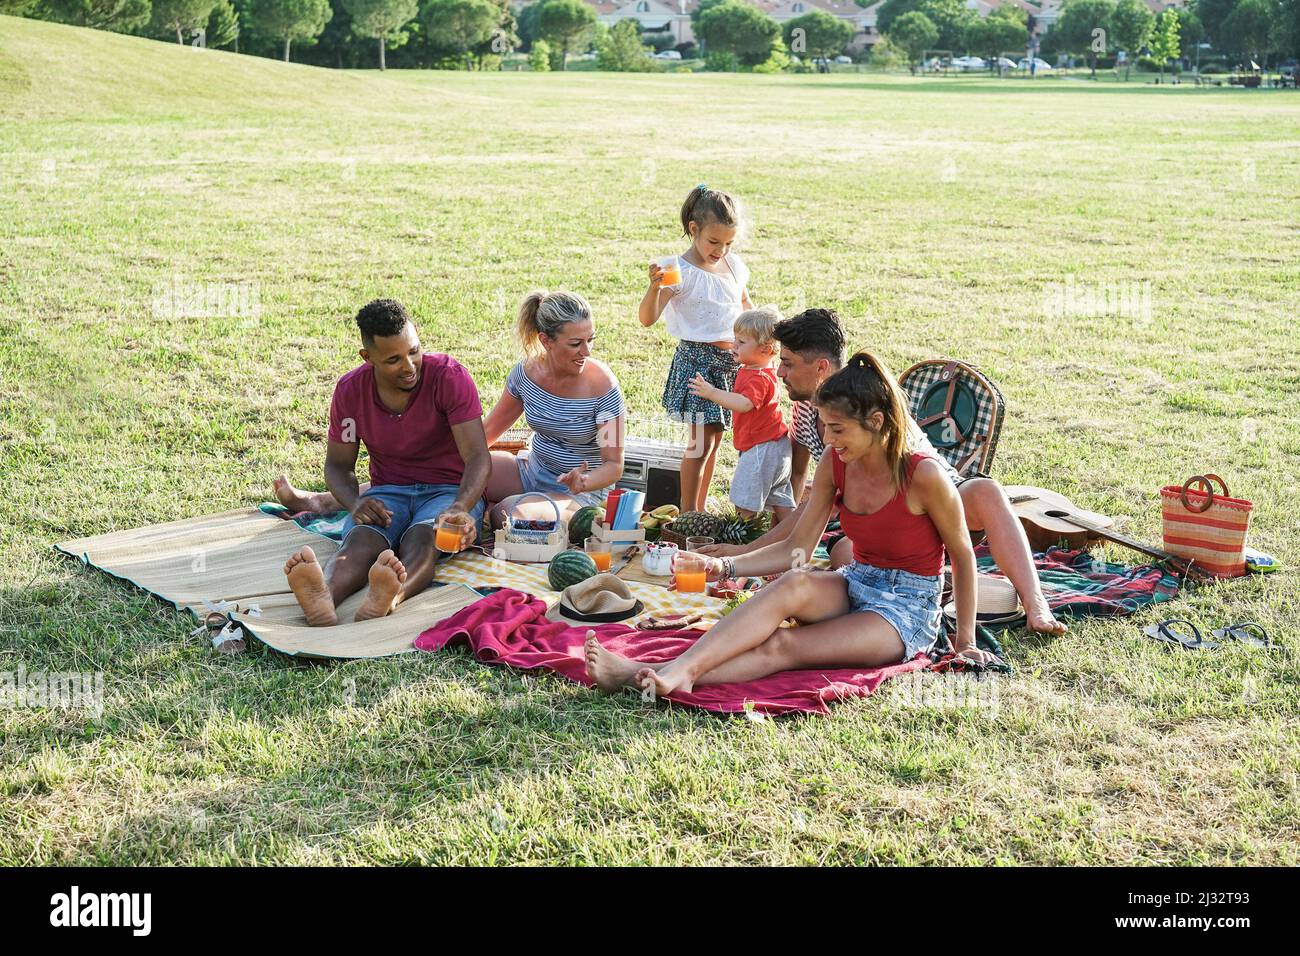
(959, 409)
(1206, 527)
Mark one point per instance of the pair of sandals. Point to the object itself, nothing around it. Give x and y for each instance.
(221, 628)
(1183, 633)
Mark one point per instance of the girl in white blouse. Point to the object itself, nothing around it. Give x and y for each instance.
(700, 312)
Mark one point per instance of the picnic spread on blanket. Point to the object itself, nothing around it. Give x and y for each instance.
(527, 596)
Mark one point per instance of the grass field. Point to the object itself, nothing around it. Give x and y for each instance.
(936, 216)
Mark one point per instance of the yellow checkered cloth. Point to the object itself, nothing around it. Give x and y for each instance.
(478, 571)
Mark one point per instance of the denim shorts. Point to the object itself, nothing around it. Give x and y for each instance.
(535, 477)
(909, 602)
(411, 505)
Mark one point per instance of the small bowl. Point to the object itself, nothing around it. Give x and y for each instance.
(658, 558)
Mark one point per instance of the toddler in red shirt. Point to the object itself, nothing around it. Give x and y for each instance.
(762, 478)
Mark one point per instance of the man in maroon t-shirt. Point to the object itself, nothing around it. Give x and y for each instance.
(419, 416)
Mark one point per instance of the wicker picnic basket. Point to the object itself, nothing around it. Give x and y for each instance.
(524, 539)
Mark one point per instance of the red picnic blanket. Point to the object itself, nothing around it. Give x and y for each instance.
(510, 627)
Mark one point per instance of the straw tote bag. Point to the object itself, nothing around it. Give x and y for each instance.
(1206, 526)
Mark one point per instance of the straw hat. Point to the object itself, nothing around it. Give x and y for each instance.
(996, 601)
(603, 599)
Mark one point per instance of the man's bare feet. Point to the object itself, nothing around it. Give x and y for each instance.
(292, 498)
(1039, 618)
(664, 680)
(307, 580)
(610, 671)
(386, 577)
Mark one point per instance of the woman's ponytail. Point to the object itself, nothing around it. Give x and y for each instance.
(863, 387)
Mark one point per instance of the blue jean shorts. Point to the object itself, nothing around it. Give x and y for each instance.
(411, 505)
(909, 602)
(535, 477)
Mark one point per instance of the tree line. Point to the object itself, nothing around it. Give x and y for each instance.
(1095, 30)
(731, 34)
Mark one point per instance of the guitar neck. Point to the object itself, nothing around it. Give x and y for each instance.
(1187, 567)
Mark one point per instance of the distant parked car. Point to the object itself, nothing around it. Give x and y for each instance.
(668, 55)
(968, 63)
(843, 59)
(1040, 66)
(1004, 64)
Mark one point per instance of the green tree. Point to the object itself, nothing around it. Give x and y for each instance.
(121, 16)
(913, 33)
(951, 17)
(621, 51)
(1248, 29)
(1003, 29)
(817, 34)
(1212, 13)
(891, 10)
(458, 26)
(223, 25)
(1190, 28)
(1083, 28)
(180, 16)
(1131, 23)
(381, 20)
(16, 8)
(527, 24)
(1286, 26)
(1165, 44)
(503, 39)
(539, 57)
(289, 20)
(695, 19)
(564, 24)
(778, 60)
(740, 30)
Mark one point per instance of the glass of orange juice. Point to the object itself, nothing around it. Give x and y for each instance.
(453, 533)
(599, 552)
(691, 572)
(672, 271)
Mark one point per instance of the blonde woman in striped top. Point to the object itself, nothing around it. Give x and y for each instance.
(573, 404)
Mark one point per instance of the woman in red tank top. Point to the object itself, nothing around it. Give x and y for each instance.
(900, 511)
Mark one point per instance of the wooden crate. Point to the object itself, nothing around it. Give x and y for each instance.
(609, 535)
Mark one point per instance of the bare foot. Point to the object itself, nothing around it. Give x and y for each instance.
(291, 497)
(610, 671)
(1039, 618)
(663, 681)
(307, 580)
(386, 577)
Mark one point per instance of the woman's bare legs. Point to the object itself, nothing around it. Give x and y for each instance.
(808, 596)
(988, 510)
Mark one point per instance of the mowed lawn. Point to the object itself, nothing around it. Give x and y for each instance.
(934, 215)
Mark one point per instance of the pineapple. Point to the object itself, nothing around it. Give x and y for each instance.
(727, 528)
(698, 524)
(736, 530)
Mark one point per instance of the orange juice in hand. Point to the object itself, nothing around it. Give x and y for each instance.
(691, 572)
(691, 581)
(452, 535)
(672, 272)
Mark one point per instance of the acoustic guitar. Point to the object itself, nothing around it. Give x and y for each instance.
(1051, 519)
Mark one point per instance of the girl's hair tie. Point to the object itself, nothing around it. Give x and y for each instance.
(701, 186)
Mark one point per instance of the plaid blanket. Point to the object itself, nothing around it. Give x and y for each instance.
(1077, 584)
(325, 525)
